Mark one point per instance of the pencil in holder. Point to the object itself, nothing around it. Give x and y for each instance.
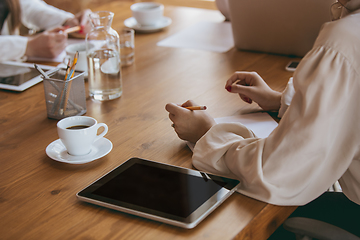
(64, 98)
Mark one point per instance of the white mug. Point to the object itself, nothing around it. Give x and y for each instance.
(70, 50)
(79, 133)
(147, 13)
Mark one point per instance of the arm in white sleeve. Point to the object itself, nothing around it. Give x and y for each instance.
(312, 147)
(38, 15)
(12, 47)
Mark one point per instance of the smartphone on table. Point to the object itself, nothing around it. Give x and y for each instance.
(291, 66)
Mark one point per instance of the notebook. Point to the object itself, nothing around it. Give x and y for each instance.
(260, 123)
(286, 27)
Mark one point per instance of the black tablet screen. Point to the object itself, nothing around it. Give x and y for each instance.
(16, 75)
(158, 189)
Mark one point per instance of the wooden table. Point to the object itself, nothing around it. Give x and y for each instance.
(37, 194)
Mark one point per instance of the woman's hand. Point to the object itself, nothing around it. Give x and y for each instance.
(189, 125)
(48, 44)
(81, 19)
(251, 87)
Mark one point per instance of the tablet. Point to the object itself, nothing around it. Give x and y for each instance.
(19, 76)
(161, 192)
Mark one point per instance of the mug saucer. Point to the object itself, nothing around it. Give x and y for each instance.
(57, 151)
(162, 23)
(62, 65)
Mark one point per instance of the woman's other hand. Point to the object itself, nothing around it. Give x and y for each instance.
(48, 44)
(251, 87)
(189, 125)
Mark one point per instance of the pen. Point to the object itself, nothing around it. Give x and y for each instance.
(72, 69)
(68, 84)
(67, 70)
(56, 105)
(40, 71)
(196, 108)
(72, 29)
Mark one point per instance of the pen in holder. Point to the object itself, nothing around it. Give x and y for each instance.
(64, 98)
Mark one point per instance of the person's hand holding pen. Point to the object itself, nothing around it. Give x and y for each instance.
(47, 44)
(51, 43)
(251, 87)
(190, 125)
(81, 19)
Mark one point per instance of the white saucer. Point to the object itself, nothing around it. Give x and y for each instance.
(131, 23)
(57, 151)
(62, 65)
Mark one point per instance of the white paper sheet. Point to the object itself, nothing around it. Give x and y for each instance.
(208, 36)
(260, 123)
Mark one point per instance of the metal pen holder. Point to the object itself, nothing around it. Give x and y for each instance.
(64, 98)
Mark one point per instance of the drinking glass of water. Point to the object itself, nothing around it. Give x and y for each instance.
(127, 46)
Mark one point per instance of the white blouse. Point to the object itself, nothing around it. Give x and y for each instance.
(35, 14)
(317, 141)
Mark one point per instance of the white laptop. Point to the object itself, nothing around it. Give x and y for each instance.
(286, 27)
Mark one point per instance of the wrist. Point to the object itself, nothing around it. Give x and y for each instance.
(71, 22)
(29, 49)
(276, 101)
(273, 101)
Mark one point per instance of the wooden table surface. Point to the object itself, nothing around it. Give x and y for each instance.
(37, 194)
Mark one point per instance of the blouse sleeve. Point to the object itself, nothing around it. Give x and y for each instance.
(12, 47)
(312, 147)
(38, 15)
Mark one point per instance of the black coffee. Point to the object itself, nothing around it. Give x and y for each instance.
(77, 127)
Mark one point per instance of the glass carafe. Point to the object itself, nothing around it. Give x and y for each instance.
(103, 56)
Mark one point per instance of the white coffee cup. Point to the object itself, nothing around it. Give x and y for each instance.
(147, 13)
(81, 64)
(79, 133)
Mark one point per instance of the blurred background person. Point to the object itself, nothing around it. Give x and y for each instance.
(36, 15)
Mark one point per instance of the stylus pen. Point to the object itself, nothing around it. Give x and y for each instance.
(196, 108)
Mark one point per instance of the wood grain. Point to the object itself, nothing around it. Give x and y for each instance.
(37, 194)
(79, 5)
